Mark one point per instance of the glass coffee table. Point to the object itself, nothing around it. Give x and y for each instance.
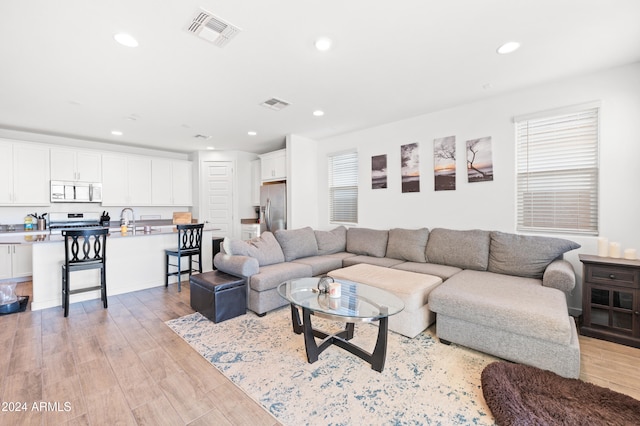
(357, 303)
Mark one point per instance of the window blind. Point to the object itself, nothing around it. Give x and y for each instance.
(557, 172)
(343, 187)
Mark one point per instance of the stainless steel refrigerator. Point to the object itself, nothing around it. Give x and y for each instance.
(273, 207)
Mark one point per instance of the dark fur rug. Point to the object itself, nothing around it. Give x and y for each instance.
(522, 395)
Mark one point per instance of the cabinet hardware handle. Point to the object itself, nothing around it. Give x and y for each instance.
(612, 276)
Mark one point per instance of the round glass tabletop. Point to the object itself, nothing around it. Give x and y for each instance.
(357, 301)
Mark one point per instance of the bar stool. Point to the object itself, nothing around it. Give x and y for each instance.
(189, 244)
(83, 250)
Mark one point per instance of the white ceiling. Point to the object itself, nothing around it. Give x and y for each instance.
(62, 73)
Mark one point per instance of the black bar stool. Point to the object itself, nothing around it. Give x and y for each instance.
(84, 249)
(189, 244)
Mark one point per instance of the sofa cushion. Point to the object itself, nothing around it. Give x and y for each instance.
(408, 244)
(297, 243)
(265, 248)
(525, 255)
(463, 249)
(504, 302)
(333, 241)
(271, 276)
(368, 242)
(386, 262)
(442, 271)
(320, 265)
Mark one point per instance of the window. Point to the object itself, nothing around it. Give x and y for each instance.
(557, 171)
(343, 187)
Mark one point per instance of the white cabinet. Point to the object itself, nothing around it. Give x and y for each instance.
(70, 165)
(250, 231)
(171, 182)
(274, 165)
(126, 180)
(24, 174)
(256, 181)
(15, 261)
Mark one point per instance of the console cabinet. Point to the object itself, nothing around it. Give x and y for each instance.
(611, 299)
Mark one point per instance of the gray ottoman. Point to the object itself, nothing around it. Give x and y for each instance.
(218, 296)
(412, 288)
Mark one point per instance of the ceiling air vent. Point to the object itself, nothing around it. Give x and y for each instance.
(275, 104)
(211, 28)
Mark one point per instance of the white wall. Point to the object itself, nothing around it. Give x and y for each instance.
(492, 205)
(302, 179)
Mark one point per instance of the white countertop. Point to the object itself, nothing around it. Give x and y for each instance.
(35, 237)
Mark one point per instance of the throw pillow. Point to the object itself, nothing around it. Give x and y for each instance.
(226, 246)
(297, 243)
(334, 241)
(408, 244)
(525, 255)
(264, 248)
(462, 249)
(367, 242)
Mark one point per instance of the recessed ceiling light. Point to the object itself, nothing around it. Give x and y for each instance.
(126, 40)
(252, 133)
(116, 132)
(323, 44)
(318, 113)
(211, 147)
(508, 47)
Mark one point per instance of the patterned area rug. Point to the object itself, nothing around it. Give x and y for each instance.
(423, 382)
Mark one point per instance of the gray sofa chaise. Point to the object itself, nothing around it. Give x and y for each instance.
(500, 293)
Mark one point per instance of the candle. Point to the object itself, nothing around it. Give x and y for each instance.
(614, 250)
(603, 247)
(631, 254)
(335, 290)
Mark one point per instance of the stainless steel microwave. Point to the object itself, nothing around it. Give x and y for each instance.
(75, 192)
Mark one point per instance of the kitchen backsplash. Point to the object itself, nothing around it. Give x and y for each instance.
(16, 215)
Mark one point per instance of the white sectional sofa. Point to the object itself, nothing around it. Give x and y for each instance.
(501, 293)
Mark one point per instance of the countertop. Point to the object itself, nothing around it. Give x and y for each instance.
(159, 227)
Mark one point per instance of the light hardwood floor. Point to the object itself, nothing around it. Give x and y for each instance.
(123, 365)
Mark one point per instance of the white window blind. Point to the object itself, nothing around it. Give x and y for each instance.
(343, 187)
(557, 172)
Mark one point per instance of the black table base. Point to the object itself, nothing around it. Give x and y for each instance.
(340, 339)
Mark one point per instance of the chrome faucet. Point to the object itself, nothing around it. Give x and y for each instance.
(123, 220)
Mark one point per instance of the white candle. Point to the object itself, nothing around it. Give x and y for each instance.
(614, 250)
(603, 247)
(631, 254)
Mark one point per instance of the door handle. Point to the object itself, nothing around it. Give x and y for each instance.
(267, 215)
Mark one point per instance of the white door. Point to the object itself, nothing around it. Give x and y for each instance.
(218, 197)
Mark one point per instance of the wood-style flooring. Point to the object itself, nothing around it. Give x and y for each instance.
(123, 365)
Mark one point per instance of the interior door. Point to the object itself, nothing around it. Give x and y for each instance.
(218, 197)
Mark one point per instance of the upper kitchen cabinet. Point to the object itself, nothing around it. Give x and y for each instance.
(24, 175)
(126, 180)
(274, 165)
(171, 182)
(70, 165)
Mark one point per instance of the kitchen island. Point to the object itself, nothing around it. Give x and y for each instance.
(135, 261)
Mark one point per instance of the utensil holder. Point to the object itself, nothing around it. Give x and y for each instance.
(41, 224)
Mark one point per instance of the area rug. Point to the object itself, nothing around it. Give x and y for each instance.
(522, 395)
(423, 382)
